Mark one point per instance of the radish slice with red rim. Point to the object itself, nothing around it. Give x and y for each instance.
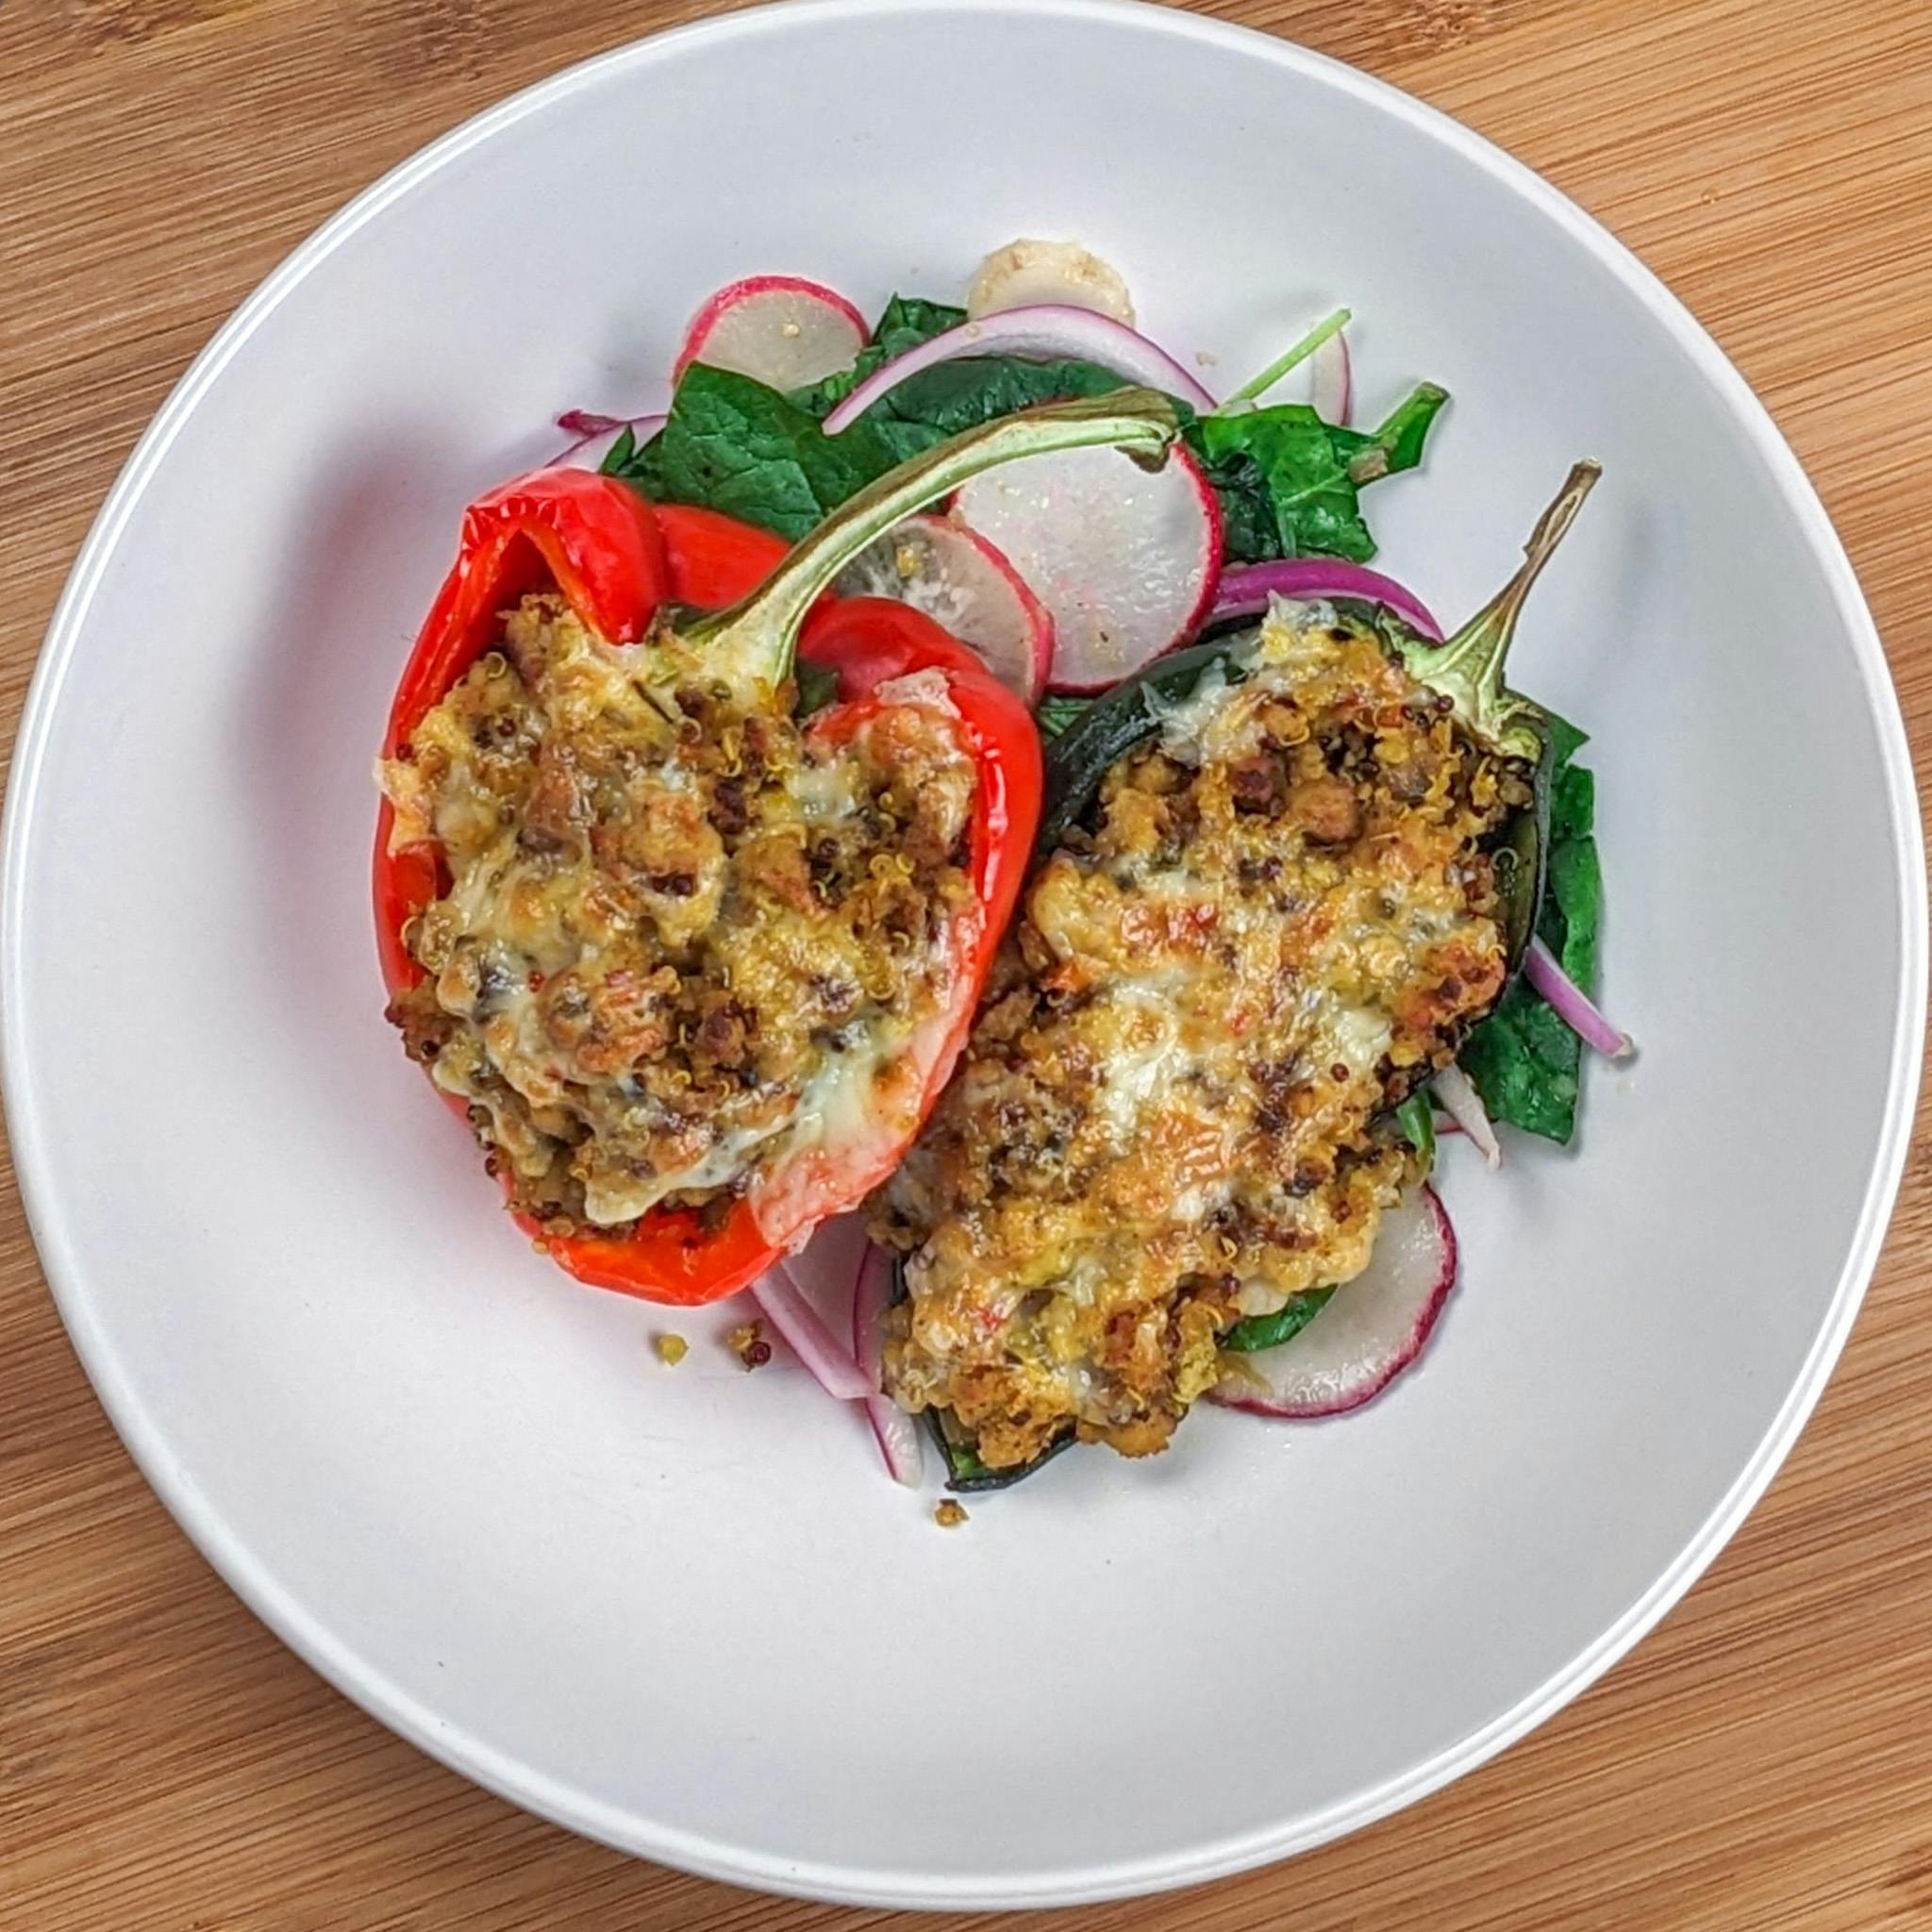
(1371, 1329)
(966, 587)
(1048, 332)
(895, 1432)
(1124, 559)
(781, 330)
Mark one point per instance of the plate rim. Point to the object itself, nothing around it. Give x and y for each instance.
(715, 1856)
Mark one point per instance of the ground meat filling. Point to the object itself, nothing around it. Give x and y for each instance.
(681, 937)
(1173, 1112)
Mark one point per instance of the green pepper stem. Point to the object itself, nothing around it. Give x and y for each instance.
(758, 635)
(1468, 666)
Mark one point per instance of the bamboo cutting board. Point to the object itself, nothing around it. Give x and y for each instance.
(1764, 1761)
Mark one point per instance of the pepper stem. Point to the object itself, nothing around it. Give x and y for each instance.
(758, 635)
(1468, 666)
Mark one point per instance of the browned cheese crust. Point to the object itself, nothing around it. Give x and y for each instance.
(1173, 1112)
(680, 939)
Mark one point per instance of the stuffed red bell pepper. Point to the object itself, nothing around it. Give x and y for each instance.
(692, 966)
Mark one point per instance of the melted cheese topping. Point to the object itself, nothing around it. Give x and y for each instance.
(1172, 1111)
(683, 945)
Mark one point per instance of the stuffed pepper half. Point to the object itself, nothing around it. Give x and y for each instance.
(1282, 874)
(693, 962)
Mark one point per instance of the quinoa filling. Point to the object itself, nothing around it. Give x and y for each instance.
(682, 940)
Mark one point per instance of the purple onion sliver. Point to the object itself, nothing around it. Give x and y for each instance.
(583, 422)
(895, 1432)
(1245, 591)
(1048, 331)
(588, 451)
(810, 1340)
(1573, 1005)
(899, 1441)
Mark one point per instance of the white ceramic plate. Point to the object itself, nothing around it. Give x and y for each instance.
(683, 1611)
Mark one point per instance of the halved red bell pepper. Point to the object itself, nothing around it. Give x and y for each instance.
(619, 562)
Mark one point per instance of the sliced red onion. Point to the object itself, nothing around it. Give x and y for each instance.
(1245, 591)
(581, 423)
(1050, 331)
(1573, 1005)
(595, 434)
(895, 1431)
(810, 1340)
(1457, 1093)
(1331, 380)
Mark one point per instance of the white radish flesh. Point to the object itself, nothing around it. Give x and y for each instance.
(1124, 559)
(966, 587)
(1371, 1329)
(780, 331)
(1028, 272)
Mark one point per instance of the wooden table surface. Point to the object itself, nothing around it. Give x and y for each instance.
(1763, 1760)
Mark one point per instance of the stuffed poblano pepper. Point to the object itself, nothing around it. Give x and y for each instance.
(1279, 876)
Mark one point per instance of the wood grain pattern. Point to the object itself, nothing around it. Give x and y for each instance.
(1760, 1762)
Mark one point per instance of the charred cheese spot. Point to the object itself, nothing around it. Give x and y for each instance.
(681, 944)
(1172, 1112)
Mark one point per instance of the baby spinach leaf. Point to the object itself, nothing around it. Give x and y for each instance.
(1417, 1120)
(951, 396)
(1054, 714)
(1271, 1331)
(1403, 433)
(1301, 464)
(1289, 482)
(734, 445)
(906, 323)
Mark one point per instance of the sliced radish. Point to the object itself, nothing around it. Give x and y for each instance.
(895, 1431)
(1371, 1330)
(1331, 383)
(595, 434)
(1125, 559)
(1457, 1092)
(962, 582)
(781, 330)
(1048, 332)
(1027, 273)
